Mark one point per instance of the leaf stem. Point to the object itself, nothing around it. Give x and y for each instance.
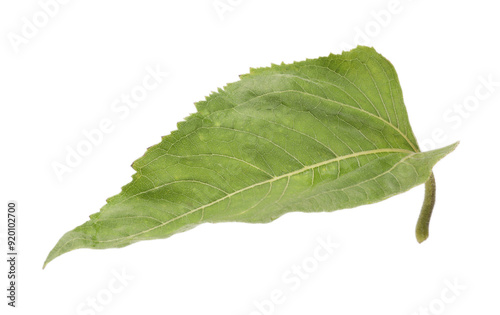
(422, 229)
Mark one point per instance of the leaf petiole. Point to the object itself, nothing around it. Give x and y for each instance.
(422, 229)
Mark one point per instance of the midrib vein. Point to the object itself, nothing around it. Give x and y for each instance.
(304, 169)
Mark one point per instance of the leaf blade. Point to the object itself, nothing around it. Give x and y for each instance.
(285, 138)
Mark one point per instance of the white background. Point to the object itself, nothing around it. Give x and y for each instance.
(64, 78)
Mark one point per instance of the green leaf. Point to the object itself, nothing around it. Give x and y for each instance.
(318, 135)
